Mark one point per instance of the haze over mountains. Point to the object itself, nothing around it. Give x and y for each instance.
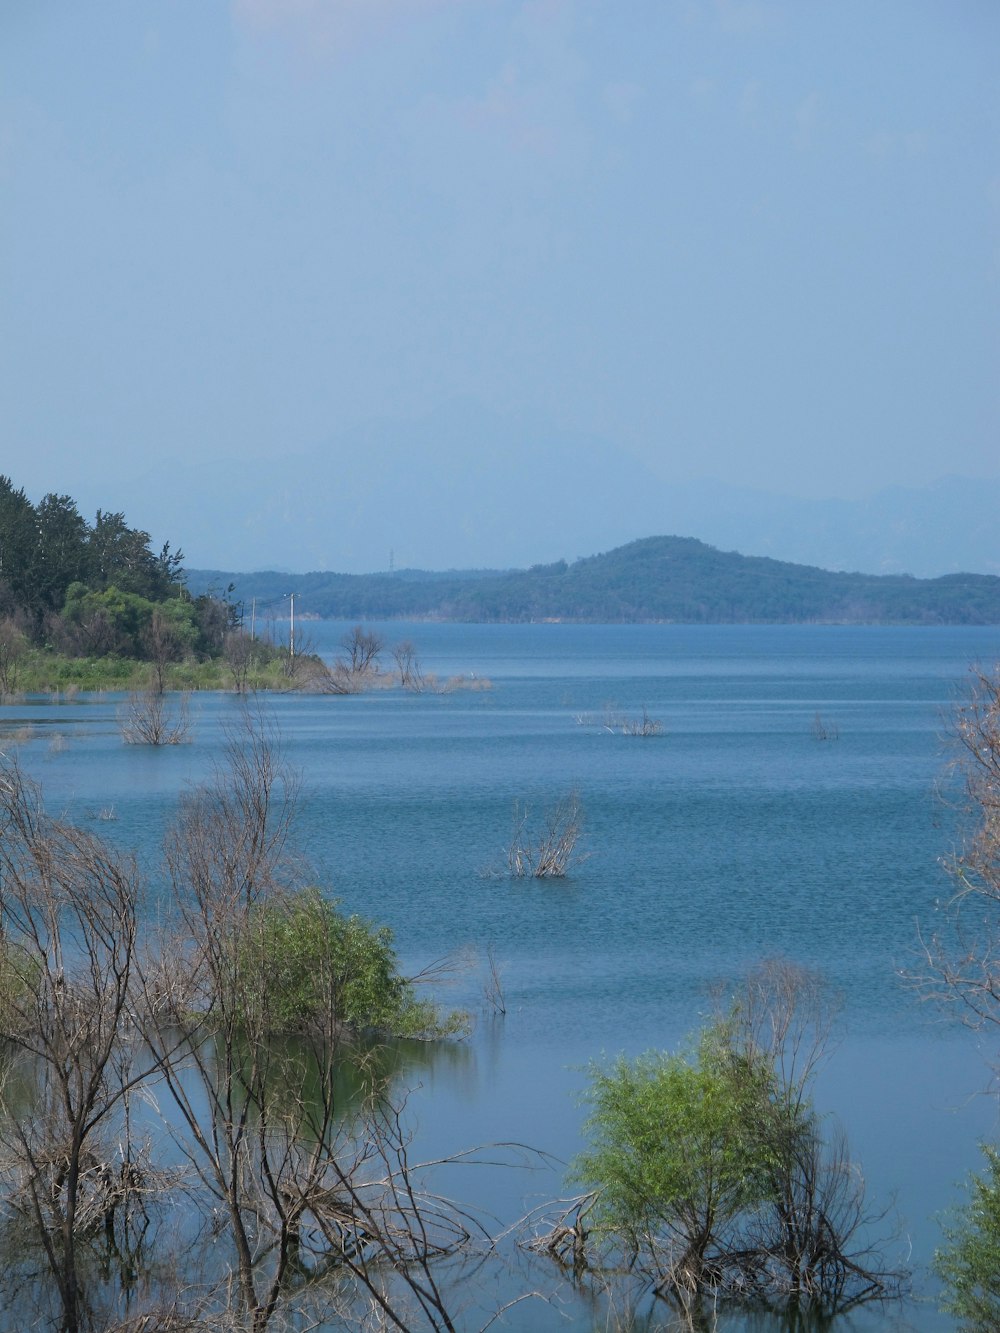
(520, 495)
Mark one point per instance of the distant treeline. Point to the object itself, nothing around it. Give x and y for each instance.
(96, 589)
(675, 579)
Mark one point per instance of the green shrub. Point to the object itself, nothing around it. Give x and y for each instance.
(710, 1176)
(303, 963)
(673, 1147)
(970, 1263)
(19, 976)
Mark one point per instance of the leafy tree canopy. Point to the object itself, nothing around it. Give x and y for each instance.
(98, 589)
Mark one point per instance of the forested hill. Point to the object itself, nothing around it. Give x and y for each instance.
(655, 579)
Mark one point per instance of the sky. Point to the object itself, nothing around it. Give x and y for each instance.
(334, 283)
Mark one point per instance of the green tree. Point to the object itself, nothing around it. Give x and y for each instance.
(61, 554)
(313, 965)
(17, 539)
(120, 556)
(709, 1170)
(970, 1262)
(676, 1157)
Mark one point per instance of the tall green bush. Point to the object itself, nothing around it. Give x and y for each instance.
(676, 1152)
(302, 962)
(710, 1174)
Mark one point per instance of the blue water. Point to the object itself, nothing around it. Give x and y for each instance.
(733, 836)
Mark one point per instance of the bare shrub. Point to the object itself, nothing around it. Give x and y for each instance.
(644, 725)
(493, 988)
(549, 851)
(456, 683)
(149, 718)
(617, 722)
(408, 665)
(962, 958)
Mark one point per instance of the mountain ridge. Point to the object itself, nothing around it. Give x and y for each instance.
(665, 578)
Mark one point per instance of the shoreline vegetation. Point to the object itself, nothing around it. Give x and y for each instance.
(266, 667)
(91, 607)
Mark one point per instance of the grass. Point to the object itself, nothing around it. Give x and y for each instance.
(44, 672)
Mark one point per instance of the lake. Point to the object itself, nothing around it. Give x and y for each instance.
(735, 835)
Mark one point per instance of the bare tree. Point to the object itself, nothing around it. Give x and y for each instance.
(68, 916)
(238, 649)
(356, 672)
(407, 664)
(147, 717)
(306, 1185)
(309, 1186)
(963, 956)
(363, 648)
(162, 645)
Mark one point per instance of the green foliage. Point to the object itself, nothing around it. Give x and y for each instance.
(19, 977)
(99, 591)
(301, 963)
(709, 1174)
(113, 621)
(970, 1263)
(675, 1143)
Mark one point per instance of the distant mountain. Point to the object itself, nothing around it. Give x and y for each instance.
(463, 487)
(947, 527)
(655, 579)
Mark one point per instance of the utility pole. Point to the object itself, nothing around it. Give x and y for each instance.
(253, 619)
(291, 630)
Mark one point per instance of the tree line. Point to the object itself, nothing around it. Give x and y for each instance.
(96, 589)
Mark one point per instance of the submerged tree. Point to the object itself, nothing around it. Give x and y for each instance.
(242, 1016)
(711, 1174)
(547, 851)
(251, 1010)
(68, 928)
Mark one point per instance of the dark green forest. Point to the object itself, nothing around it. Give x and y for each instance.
(97, 590)
(675, 579)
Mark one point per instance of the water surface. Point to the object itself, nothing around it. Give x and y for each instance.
(734, 835)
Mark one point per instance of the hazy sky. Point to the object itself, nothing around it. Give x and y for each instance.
(756, 240)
